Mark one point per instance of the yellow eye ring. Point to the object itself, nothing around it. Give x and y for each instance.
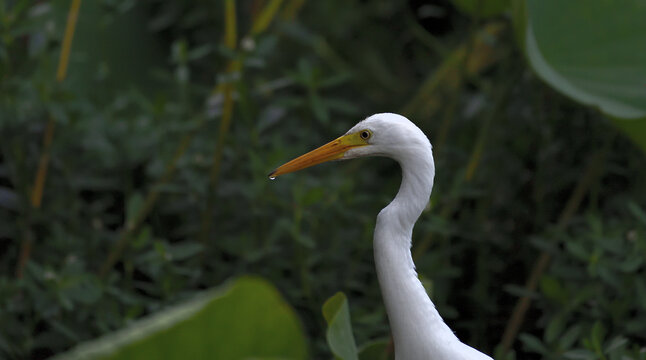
(365, 134)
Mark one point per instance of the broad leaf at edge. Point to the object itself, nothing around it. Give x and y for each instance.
(246, 318)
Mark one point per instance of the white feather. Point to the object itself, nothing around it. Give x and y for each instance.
(418, 329)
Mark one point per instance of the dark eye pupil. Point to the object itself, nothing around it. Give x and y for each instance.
(364, 134)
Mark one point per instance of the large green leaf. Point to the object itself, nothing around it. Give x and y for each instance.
(593, 51)
(246, 318)
(339, 329)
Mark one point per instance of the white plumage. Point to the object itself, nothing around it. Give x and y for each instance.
(417, 328)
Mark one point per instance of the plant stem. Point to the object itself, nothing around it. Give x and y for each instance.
(234, 66)
(260, 24)
(227, 90)
(474, 55)
(473, 163)
(149, 203)
(36, 197)
(72, 16)
(225, 123)
(265, 17)
(591, 174)
(41, 173)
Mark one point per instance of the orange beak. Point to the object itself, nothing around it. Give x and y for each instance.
(333, 150)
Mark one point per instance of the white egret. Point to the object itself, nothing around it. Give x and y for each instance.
(418, 330)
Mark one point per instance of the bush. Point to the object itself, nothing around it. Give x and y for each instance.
(165, 126)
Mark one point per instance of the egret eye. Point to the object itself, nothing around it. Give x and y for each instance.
(365, 134)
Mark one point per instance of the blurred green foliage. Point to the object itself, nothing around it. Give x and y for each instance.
(136, 215)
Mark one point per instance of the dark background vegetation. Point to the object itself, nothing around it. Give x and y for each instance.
(165, 126)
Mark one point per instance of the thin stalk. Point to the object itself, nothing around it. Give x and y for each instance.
(230, 29)
(255, 8)
(462, 73)
(266, 17)
(70, 27)
(447, 76)
(36, 197)
(291, 9)
(472, 164)
(591, 174)
(433, 82)
(262, 21)
(225, 124)
(449, 113)
(41, 174)
(127, 231)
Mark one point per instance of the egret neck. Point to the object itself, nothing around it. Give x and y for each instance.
(416, 325)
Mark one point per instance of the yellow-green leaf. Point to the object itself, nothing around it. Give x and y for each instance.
(339, 329)
(246, 318)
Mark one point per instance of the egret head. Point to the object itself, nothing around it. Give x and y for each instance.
(385, 134)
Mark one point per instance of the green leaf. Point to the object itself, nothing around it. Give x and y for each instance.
(553, 289)
(376, 350)
(596, 57)
(533, 344)
(580, 354)
(578, 250)
(339, 329)
(246, 318)
(637, 211)
(597, 335)
(631, 264)
(83, 288)
(570, 336)
(592, 52)
(185, 250)
(554, 328)
(615, 344)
